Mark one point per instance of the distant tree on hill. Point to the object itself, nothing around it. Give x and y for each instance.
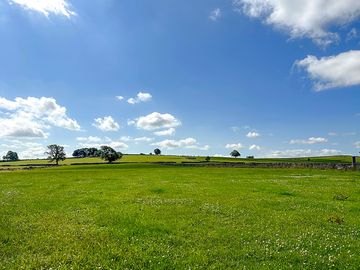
(109, 154)
(235, 154)
(11, 156)
(207, 159)
(86, 152)
(79, 153)
(157, 151)
(55, 153)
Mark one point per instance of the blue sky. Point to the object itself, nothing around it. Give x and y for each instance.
(274, 78)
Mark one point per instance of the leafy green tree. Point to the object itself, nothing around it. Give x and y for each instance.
(11, 156)
(109, 154)
(207, 159)
(79, 153)
(157, 151)
(235, 154)
(55, 153)
(86, 152)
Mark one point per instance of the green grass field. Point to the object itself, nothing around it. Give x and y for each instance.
(146, 216)
(177, 159)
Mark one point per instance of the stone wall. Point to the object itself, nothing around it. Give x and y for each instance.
(310, 165)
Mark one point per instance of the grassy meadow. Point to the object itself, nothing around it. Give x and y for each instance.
(166, 158)
(148, 216)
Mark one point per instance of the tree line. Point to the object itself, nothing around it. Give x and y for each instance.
(56, 153)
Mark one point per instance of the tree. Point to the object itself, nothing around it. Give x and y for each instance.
(109, 154)
(207, 159)
(235, 154)
(157, 151)
(55, 153)
(86, 152)
(79, 153)
(11, 156)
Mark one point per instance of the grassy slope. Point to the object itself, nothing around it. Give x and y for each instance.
(152, 217)
(145, 159)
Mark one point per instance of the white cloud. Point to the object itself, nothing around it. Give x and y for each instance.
(119, 98)
(167, 132)
(342, 70)
(303, 18)
(22, 127)
(235, 129)
(234, 146)
(253, 134)
(33, 151)
(303, 153)
(25, 150)
(118, 145)
(198, 147)
(353, 34)
(311, 140)
(357, 144)
(30, 117)
(215, 14)
(329, 152)
(88, 139)
(255, 147)
(189, 143)
(87, 142)
(140, 97)
(46, 7)
(155, 121)
(139, 139)
(106, 124)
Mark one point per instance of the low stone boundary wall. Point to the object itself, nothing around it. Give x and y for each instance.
(313, 165)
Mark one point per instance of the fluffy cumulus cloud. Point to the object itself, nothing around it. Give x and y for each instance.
(136, 140)
(189, 143)
(304, 153)
(342, 70)
(25, 149)
(311, 140)
(357, 144)
(46, 7)
(106, 124)
(88, 139)
(32, 117)
(303, 18)
(215, 14)
(155, 121)
(253, 134)
(234, 146)
(140, 97)
(255, 147)
(97, 142)
(166, 132)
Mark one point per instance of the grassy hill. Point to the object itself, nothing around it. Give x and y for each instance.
(177, 159)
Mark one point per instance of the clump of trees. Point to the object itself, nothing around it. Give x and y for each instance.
(55, 153)
(86, 152)
(109, 154)
(157, 151)
(235, 154)
(11, 156)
